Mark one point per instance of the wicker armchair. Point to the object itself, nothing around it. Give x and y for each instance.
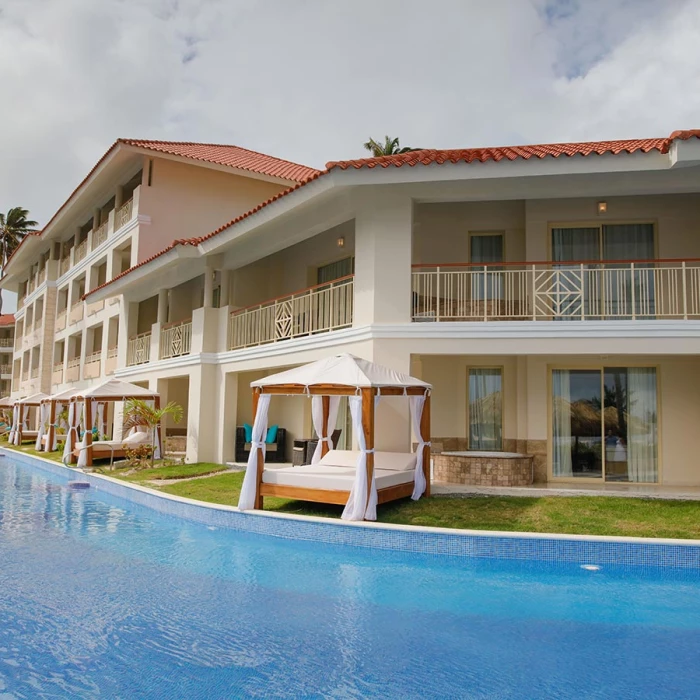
(274, 451)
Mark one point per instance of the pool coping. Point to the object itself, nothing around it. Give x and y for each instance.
(562, 547)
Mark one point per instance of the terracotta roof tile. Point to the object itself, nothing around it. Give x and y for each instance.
(7, 320)
(232, 156)
(510, 153)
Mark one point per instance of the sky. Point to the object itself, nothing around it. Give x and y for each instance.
(311, 80)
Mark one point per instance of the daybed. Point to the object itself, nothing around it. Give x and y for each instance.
(115, 449)
(360, 480)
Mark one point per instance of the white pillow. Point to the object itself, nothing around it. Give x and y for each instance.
(137, 438)
(395, 461)
(340, 458)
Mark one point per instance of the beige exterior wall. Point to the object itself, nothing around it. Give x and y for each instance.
(187, 200)
(441, 231)
(526, 413)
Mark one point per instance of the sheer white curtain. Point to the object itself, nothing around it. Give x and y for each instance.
(15, 423)
(642, 425)
(75, 419)
(43, 425)
(317, 417)
(22, 413)
(487, 249)
(417, 403)
(485, 409)
(250, 481)
(82, 455)
(357, 507)
(59, 421)
(561, 423)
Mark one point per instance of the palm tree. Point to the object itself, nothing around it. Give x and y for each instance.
(138, 413)
(14, 226)
(390, 147)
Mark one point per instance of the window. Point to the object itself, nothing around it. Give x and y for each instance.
(487, 249)
(604, 424)
(485, 409)
(335, 270)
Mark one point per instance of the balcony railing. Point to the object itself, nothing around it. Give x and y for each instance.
(176, 339)
(111, 364)
(5, 369)
(57, 373)
(92, 366)
(123, 214)
(138, 351)
(35, 373)
(319, 309)
(61, 320)
(25, 375)
(64, 266)
(6, 342)
(76, 312)
(80, 252)
(580, 291)
(73, 369)
(99, 235)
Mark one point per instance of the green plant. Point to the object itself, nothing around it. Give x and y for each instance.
(61, 422)
(139, 413)
(138, 456)
(14, 226)
(390, 147)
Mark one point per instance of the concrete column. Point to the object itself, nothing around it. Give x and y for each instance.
(76, 236)
(114, 261)
(225, 287)
(96, 218)
(128, 319)
(118, 197)
(227, 418)
(163, 306)
(208, 288)
(383, 240)
(201, 414)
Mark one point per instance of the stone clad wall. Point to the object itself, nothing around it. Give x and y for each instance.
(483, 471)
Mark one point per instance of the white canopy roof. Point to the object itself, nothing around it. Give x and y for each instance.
(6, 402)
(116, 391)
(343, 370)
(63, 395)
(34, 398)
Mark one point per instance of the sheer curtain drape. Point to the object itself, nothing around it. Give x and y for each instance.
(561, 423)
(357, 507)
(250, 480)
(642, 448)
(317, 418)
(417, 403)
(486, 249)
(485, 409)
(43, 425)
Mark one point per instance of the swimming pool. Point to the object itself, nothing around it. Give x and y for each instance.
(101, 597)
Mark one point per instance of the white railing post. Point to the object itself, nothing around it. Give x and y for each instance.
(634, 294)
(437, 294)
(685, 292)
(534, 293)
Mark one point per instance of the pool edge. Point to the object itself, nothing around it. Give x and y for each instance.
(635, 551)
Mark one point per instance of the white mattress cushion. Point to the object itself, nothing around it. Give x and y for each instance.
(136, 439)
(389, 461)
(331, 478)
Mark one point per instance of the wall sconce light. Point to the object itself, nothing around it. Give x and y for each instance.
(602, 207)
(341, 242)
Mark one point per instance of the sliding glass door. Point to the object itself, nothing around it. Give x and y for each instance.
(605, 424)
(485, 409)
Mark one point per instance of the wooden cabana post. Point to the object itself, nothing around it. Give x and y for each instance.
(425, 432)
(260, 456)
(326, 403)
(87, 437)
(368, 430)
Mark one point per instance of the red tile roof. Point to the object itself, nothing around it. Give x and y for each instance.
(231, 156)
(482, 155)
(7, 320)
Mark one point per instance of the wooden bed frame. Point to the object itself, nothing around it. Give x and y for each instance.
(390, 493)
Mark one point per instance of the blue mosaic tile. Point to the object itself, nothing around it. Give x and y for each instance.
(455, 544)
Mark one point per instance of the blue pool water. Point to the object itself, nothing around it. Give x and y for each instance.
(102, 598)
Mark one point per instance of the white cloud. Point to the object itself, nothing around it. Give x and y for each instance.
(310, 80)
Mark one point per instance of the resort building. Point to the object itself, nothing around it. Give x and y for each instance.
(550, 294)
(7, 345)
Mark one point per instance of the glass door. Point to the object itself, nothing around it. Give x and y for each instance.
(572, 293)
(605, 424)
(486, 249)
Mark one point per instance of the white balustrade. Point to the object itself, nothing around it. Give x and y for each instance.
(176, 339)
(563, 292)
(64, 266)
(319, 309)
(99, 235)
(80, 251)
(123, 215)
(138, 351)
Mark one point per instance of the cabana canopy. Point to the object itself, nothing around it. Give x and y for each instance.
(33, 400)
(363, 382)
(7, 402)
(47, 436)
(83, 407)
(339, 371)
(115, 390)
(20, 430)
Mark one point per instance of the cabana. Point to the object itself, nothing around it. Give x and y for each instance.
(362, 479)
(20, 431)
(87, 407)
(51, 407)
(6, 404)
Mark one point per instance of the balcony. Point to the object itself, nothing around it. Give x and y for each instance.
(94, 307)
(35, 373)
(76, 312)
(123, 215)
(319, 309)
(41, 277)
(64, 266)
(99, 235)
(111, 364)
(61, 317)
(6, 343)
(57, 373)
(580, 291)
(73, 370)
(176, 339)
(5, 369)
(92, 365)
(138, 351)
(80, 252)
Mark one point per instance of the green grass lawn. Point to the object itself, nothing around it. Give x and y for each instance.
(579, 515)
